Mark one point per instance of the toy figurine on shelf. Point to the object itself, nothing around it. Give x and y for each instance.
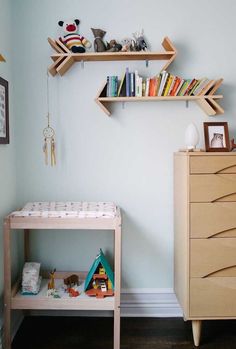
(128, 44)
(99, 44)
(140, 44)
(72, 292)
(52, 291)
(113, 46)
(71, 280)
(74, 41)
(100, 279)
(51, 283)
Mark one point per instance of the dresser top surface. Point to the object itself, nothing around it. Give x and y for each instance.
(204, 153)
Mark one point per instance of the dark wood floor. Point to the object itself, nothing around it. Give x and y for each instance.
(136, 333)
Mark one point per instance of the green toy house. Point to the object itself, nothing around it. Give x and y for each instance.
(100, 279)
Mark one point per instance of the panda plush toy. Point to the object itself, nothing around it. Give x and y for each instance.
(75, 42)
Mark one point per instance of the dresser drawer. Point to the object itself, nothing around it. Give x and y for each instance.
(213, 296)
(213, 219)
(212, 187)
(213, 257)
(213, 164)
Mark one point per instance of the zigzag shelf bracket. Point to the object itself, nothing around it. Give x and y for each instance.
(63, 58)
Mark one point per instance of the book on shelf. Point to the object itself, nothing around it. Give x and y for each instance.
(175, 86)
(138, 84)
(147, 87)
(167, 85)
(143, 87)
(112, 86)
(164, 84)
(152, 87)
(163, 77)
(127, 82)
(120, 91)
(132, 84)
(208, 86)
(184, 87)
(203, 82)
(190, 86)
(179, 87)
(172, 84)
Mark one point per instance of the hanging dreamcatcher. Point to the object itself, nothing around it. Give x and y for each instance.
(49, 135)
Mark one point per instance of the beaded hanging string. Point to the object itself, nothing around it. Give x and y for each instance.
(49, 135)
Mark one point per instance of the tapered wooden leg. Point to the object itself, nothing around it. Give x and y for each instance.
(117, 258)
(196, 327)
(7, 285)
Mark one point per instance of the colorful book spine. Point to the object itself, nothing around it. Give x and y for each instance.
(147, 87)
(127, 82)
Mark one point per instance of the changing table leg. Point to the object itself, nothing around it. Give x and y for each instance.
(7, 284)
(117, 283)
(26, 245)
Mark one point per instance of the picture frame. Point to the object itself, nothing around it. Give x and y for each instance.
(216, 136)
(4, 112)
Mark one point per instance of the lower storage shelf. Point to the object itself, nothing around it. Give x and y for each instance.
(43, 302)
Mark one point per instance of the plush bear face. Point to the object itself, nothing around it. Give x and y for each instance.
(70, 26)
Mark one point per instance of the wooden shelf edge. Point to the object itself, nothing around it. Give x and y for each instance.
(157, 98)
(2, 59)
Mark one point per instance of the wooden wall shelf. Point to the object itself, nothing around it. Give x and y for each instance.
(208, 102)
(63, 59)
(2, 59)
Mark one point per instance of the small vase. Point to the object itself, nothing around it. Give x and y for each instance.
(191, 136)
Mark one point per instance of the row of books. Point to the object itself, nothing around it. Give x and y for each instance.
(164, 84)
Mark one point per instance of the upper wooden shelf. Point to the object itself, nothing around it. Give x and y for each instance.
(2, 59)
(63, 59)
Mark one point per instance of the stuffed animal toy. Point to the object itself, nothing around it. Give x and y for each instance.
(75, 42)
(113, 46)
(99, 44)
(128, 44)
(140, 44)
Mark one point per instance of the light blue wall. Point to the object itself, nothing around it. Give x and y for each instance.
(126, 158)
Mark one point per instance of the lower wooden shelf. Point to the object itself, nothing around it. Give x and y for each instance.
(42, 302)
(208, 103)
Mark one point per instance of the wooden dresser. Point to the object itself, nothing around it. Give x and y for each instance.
(205, 236)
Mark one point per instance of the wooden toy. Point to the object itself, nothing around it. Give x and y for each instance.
(71, 280)
(72, 292)
(100, 279)
(51, 283)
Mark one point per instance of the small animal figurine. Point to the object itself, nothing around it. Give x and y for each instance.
(141, 44)
(51, 283)
(74, 41)
(128, 44)
(217, 140)
(99, 44)
(113, 46)
(72, 292)
(71, 280)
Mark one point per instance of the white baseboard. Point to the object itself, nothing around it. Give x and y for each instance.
(134, 303)
(150, 303)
